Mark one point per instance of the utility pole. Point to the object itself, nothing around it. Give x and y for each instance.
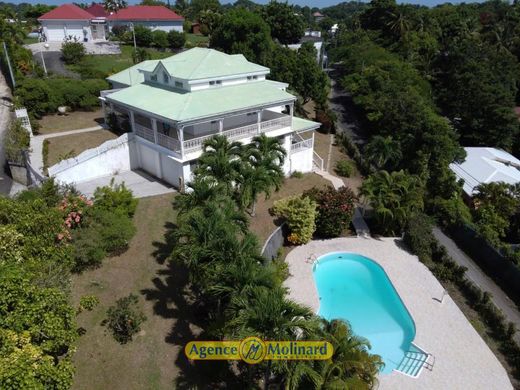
(133, 33)
(9, 65)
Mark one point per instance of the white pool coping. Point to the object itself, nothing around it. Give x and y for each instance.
(462, 359)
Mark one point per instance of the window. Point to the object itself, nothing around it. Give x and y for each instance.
(219, 82)
(249, 77)
(153, 77)
(165, 77)
(255, 77)
(211, 83)
(178, 84)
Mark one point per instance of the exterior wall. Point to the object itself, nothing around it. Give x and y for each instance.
(301, 161)
(75, 27)
(160, 164)
(153, 25)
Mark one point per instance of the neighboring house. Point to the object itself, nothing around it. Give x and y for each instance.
(334, 29)
(94, 23)
(486, 165)
(317, 41)
(318, 16)
(175, 104)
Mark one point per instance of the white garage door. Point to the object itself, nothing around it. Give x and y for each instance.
(76, 30)
(55, 33)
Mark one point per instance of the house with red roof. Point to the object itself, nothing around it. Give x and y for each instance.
(94, 23)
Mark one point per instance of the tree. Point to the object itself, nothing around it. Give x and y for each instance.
(114, 5)
(140, 55)
(125, 318)
(220, 161)
(300, 214)
(383, 152)
(176, 40)
(72, 51)
(394, 197)
(143, 36)
(286, 26)
(198, 6)
(243, 32)
(312, 82)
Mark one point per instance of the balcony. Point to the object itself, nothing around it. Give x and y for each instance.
(302, 145)
(194, 145)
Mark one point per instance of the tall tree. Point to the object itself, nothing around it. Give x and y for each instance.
(114, 5)
(286, 26)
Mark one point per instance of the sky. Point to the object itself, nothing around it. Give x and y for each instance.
(310, 3)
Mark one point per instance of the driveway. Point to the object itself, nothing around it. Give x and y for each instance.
(479, 277)
(103, 47)
(54, 64)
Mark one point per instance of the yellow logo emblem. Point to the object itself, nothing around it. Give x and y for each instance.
(252, 350)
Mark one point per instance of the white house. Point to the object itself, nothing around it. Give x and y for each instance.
(93, 23)
(173, 105)
(486, 165)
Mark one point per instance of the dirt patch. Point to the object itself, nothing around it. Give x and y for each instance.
(67, 146)
(72, 121)
(149, 361)
(263, 223)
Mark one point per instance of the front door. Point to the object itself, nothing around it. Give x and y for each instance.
(98, 31)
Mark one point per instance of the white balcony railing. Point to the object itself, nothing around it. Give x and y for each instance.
(195, 144)
(298, 146)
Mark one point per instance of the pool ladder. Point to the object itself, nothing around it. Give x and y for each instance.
(414, 361)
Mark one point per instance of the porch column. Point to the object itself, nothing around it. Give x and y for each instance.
(291, 109)
(104, 108)
(132, 121)
(258, 120)
(154, 128)
(220, 126)
(180, 135)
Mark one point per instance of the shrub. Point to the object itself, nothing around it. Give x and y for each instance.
(419, 237)
(186, 26)
(87, 302)
(143, 36)
(344, 168)
(16, 141)
(125, 319)
(300, 214)
(160, 39)
(72, 51)
(140, 55)
(297, 174)
(88, 252)
(115, 231)
(119, 31)
(335, 209)
(35, 95)
(116, 198)
(176, 39)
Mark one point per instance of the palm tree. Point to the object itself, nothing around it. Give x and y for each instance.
(399, 24)
(220, 161)
(261, 170)
(270, 315)
(114, 5)
(394, 196)
(383, 152)
(200, 191)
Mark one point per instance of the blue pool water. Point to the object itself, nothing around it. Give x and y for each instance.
(354, 288)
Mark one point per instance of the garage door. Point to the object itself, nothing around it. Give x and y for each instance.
(55, 33)
(76, 30)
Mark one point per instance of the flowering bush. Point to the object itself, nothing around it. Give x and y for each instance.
(73, 208)
(335, 209)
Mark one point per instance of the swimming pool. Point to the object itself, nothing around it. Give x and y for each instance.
(355, 288)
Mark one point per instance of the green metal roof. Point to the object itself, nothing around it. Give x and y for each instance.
(300, 124)
(182, 106)
(132, 75)
(201, 63)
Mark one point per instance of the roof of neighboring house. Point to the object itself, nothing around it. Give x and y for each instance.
(317, 14)
(132, 75)
(486, 165)
(145, 12)
(182, 106)
(66, 12)
(97, 10)
(201, 63)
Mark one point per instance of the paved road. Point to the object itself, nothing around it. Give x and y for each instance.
(477, 276)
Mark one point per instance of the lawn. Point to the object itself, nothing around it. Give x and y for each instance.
(29, 41)
(150, 360)
(195, 39)
(72, 121)
(264, 223)
(69, 146)
(113, 63)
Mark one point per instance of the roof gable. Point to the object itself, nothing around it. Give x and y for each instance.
(66, 12)
(145, 12)
(97, 10)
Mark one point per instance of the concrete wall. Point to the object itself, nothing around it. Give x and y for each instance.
(301, 161)
(152, 25)
(160, 164)
(110, 157)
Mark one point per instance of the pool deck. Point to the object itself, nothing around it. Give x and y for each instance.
(462, 359)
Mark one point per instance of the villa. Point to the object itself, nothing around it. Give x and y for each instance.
(175, 104)
(94, 23)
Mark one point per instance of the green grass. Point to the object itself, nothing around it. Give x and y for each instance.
(28, 41)
(195, 38)
(101, 66)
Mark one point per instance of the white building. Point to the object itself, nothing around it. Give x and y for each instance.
(93, 23)
(486, 165)
(175, 104)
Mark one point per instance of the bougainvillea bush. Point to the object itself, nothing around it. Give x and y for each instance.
(335, 209)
